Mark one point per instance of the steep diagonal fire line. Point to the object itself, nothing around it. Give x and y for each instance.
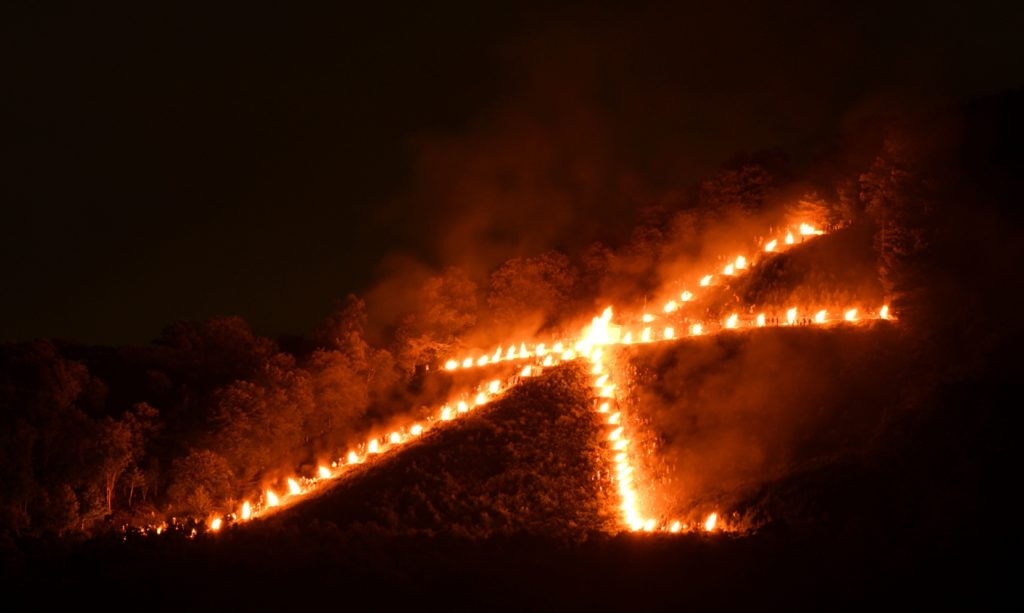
(595, 344)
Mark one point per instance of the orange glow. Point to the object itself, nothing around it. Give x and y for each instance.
(647, 318)
(728, 270)
(809, 230)
(686, 296)
(789, 238)
(731, 322)
(468, 362)
(416, 430)
(373, 446)
(526, 371)
(451, 365)
(353, 458)
(215, 524)
(481, 398)
(394, 438)
(819, 317)
(670, 333)
(741, 262)
(671, 306)
(770, 246)
(791, 316)
(696, 329)
(706, 281)
(645, 336)
(851, 315)
(272, 499)
(324, 472)
(246, 510)
(760, 320)
(711, 522)
(883, 313)
(293, 487)
(676, 527)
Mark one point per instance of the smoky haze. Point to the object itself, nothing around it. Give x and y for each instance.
(166, 165)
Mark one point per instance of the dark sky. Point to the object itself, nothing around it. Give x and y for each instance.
(165, 162)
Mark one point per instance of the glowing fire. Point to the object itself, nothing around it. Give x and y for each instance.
(599, 333)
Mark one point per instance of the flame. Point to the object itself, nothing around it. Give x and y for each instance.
(215, 524)
(587, 344)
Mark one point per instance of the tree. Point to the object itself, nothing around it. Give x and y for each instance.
(898, 200)
(445, 310)
(522, 288)
(201, 482)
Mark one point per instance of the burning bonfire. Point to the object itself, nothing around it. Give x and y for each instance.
(595, 346)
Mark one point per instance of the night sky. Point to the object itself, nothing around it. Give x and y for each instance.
(163, 163)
